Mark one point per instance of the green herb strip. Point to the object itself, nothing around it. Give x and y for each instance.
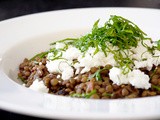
(97, 74)
(158, 44)
(40, 55)
(156, 87)
(53, 50)
(84, 95)
(109, 94)
(117, 31)
(22, 79)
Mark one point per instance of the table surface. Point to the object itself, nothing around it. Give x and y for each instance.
(15, 8)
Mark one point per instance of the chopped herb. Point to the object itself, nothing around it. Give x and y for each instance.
(68, 40)
(97, 74)
(84, 95)
(154, 71)
(22, 79)
(156, 87)
(43, 54)
(40, 55)
(118, 32)
(158, 44)
(109, 94)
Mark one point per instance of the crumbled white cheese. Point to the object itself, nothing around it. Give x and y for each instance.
(141, 52)
(39, 86)
(156, 58)
(139, 79)
(117, 77)
(142, 64)
(156, 61)
(149, 62)
(71, 53)
(60, 66)
(110, 59)
(85, 62)
(53, 66)
(99, 59)
(140, 56)
(91, 51)
(67, 73)
(135, 78)
(50, 56)
(157, 53)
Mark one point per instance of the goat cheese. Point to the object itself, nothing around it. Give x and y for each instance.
(67, 73)
(39, 86)
(135, 78)
(99, 59)
(156, 60)
(117, 77)
(141, 52)
(142, 64)
(61, 66)
(71, 53)
(139, 79)
(140, 56)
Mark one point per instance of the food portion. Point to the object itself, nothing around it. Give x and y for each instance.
(116, 60)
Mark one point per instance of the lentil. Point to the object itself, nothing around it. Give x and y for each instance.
(83, 84)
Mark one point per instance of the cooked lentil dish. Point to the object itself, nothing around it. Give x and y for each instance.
(116, 60)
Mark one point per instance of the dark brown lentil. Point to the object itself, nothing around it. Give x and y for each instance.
(83, 84)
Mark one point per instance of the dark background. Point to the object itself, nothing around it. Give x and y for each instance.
(15, 8)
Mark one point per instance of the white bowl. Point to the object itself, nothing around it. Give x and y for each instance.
(25, 36)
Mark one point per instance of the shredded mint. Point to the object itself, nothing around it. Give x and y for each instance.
(156, 87)
(158, 44)
(22, 79)
(84, 95)
(116, 32)
(40, 55)
(97, 74)
(109, 94)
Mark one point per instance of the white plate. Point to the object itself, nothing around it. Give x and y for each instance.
(24, 36)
